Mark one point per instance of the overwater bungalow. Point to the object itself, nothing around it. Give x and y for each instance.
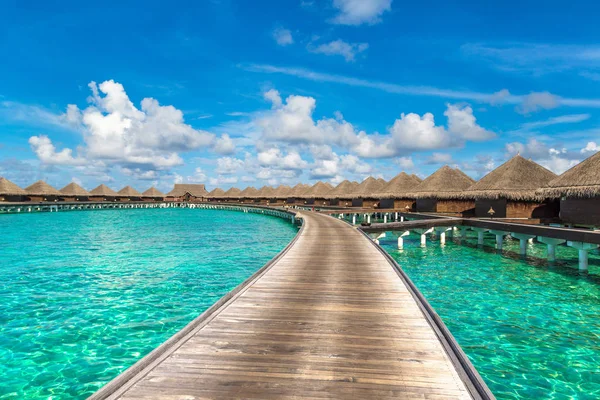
(281, 194)
(395, 194)
(103, 193)
(248, 195)
(509, 191)
(129, 194)
(441, 192)
(265, 195)
(187, 192)
(579, 192)
(296, 192)
(365, 194)
(317, 194)
(41, 191)
(217, 194)
(153, 194)
(74, 192)
(10, 191)
(342, 191)
(232, 195)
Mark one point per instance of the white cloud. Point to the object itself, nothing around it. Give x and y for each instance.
(414, 132)
(336, 167)
(462, 123)
(223, 180)
(555, 159)
(46, 152)
(229, 165)
(440, 158)
(357, 12)
(224, 145)
(198, 177)
(406, 163)
(339, 47)
(117, 133)
(274, 157)
(562, 119)
(536, 101)
(274, 97)
(591, 147)
(283, 37)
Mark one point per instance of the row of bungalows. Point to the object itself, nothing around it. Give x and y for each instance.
(41, 191)
(187, 192)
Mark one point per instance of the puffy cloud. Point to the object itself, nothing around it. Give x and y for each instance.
(274, 157)
(224, 145)
(338, 166)
(340, 48)
(199, 176)
(223, 180)
(439, 158)
(536, 101)
(414, 132)
(283, 37)
(591, 147)
(116, 132)
(229, 165)
(555, 159)
(274, 97)
(462, 123)
(406, 163)
(357, 12)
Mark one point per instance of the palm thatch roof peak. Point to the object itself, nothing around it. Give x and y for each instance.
(299, 189)
(250, 191)
(129, 191)
(368, 188)
(399, 186)
(216, 192)
(41, 188)
(103, 190)
(266, 192)
(153, 192)
(342, 189)
(582, 181)
(7, 188)
(232, 193)
(416, 177)
(194, 189)
(517, 179)
(318, 190)
(73, 189)
(445, 183)
(282, 191)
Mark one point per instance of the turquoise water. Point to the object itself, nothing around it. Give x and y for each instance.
(531, 330)
(83, 295)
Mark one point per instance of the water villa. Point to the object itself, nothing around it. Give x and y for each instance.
(509, 191)
(364, 195)
(41, 191)
(317, 194)
(296, 193)
(153, 194)
(441, 192)
(579, 192)
(281, 194)
(248, 195)
(395, 194)
(11, 192)
(232, 195)
(342, 194)
(103, 193)
(187, 192)
(74, 192)
(217, 194)
(265, 195)
(129, 194)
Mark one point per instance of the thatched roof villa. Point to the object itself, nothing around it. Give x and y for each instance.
(317, 193)
(103, 193)
(509, 191)
(364, 195)
(248, 195)
(342, 191)
(296, 193)
(187, 192)
(216, 194)
(441, 192)
(128, 194)
(10, 191)
(579, 192)
(395, 194)
(416, 177)
(281, 194)
(74, 192)
(153, 194)
(41, 191)
(232, 195)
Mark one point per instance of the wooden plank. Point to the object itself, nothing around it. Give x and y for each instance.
(329, 319)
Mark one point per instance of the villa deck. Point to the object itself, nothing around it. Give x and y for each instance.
(330, 318)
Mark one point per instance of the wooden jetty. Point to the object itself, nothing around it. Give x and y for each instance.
(330, 317)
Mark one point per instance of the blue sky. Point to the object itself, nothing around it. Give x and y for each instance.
(238, 93)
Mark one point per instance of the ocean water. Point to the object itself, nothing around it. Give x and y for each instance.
(531, 330)
(85, 294)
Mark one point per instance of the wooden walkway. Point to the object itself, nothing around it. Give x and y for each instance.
(330, 319)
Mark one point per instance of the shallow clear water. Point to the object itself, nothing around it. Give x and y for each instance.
(531, 330)
(83, 295)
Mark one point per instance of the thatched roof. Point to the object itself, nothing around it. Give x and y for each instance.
(345, 188)
(298, 190)
(217, 192)
(382, 181)
(249, 192)
(517, 179)
(266, 192)
(73, 189)
(318, 190)
(153, 192)
(445, 183)
(399, 186)
(41, 188)
(416, 177)
(7, 188)
(129, 192)
(583, 181)
(367, 188)
(232, 193)
(180, 189)
(282, 191)
(103, 190)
